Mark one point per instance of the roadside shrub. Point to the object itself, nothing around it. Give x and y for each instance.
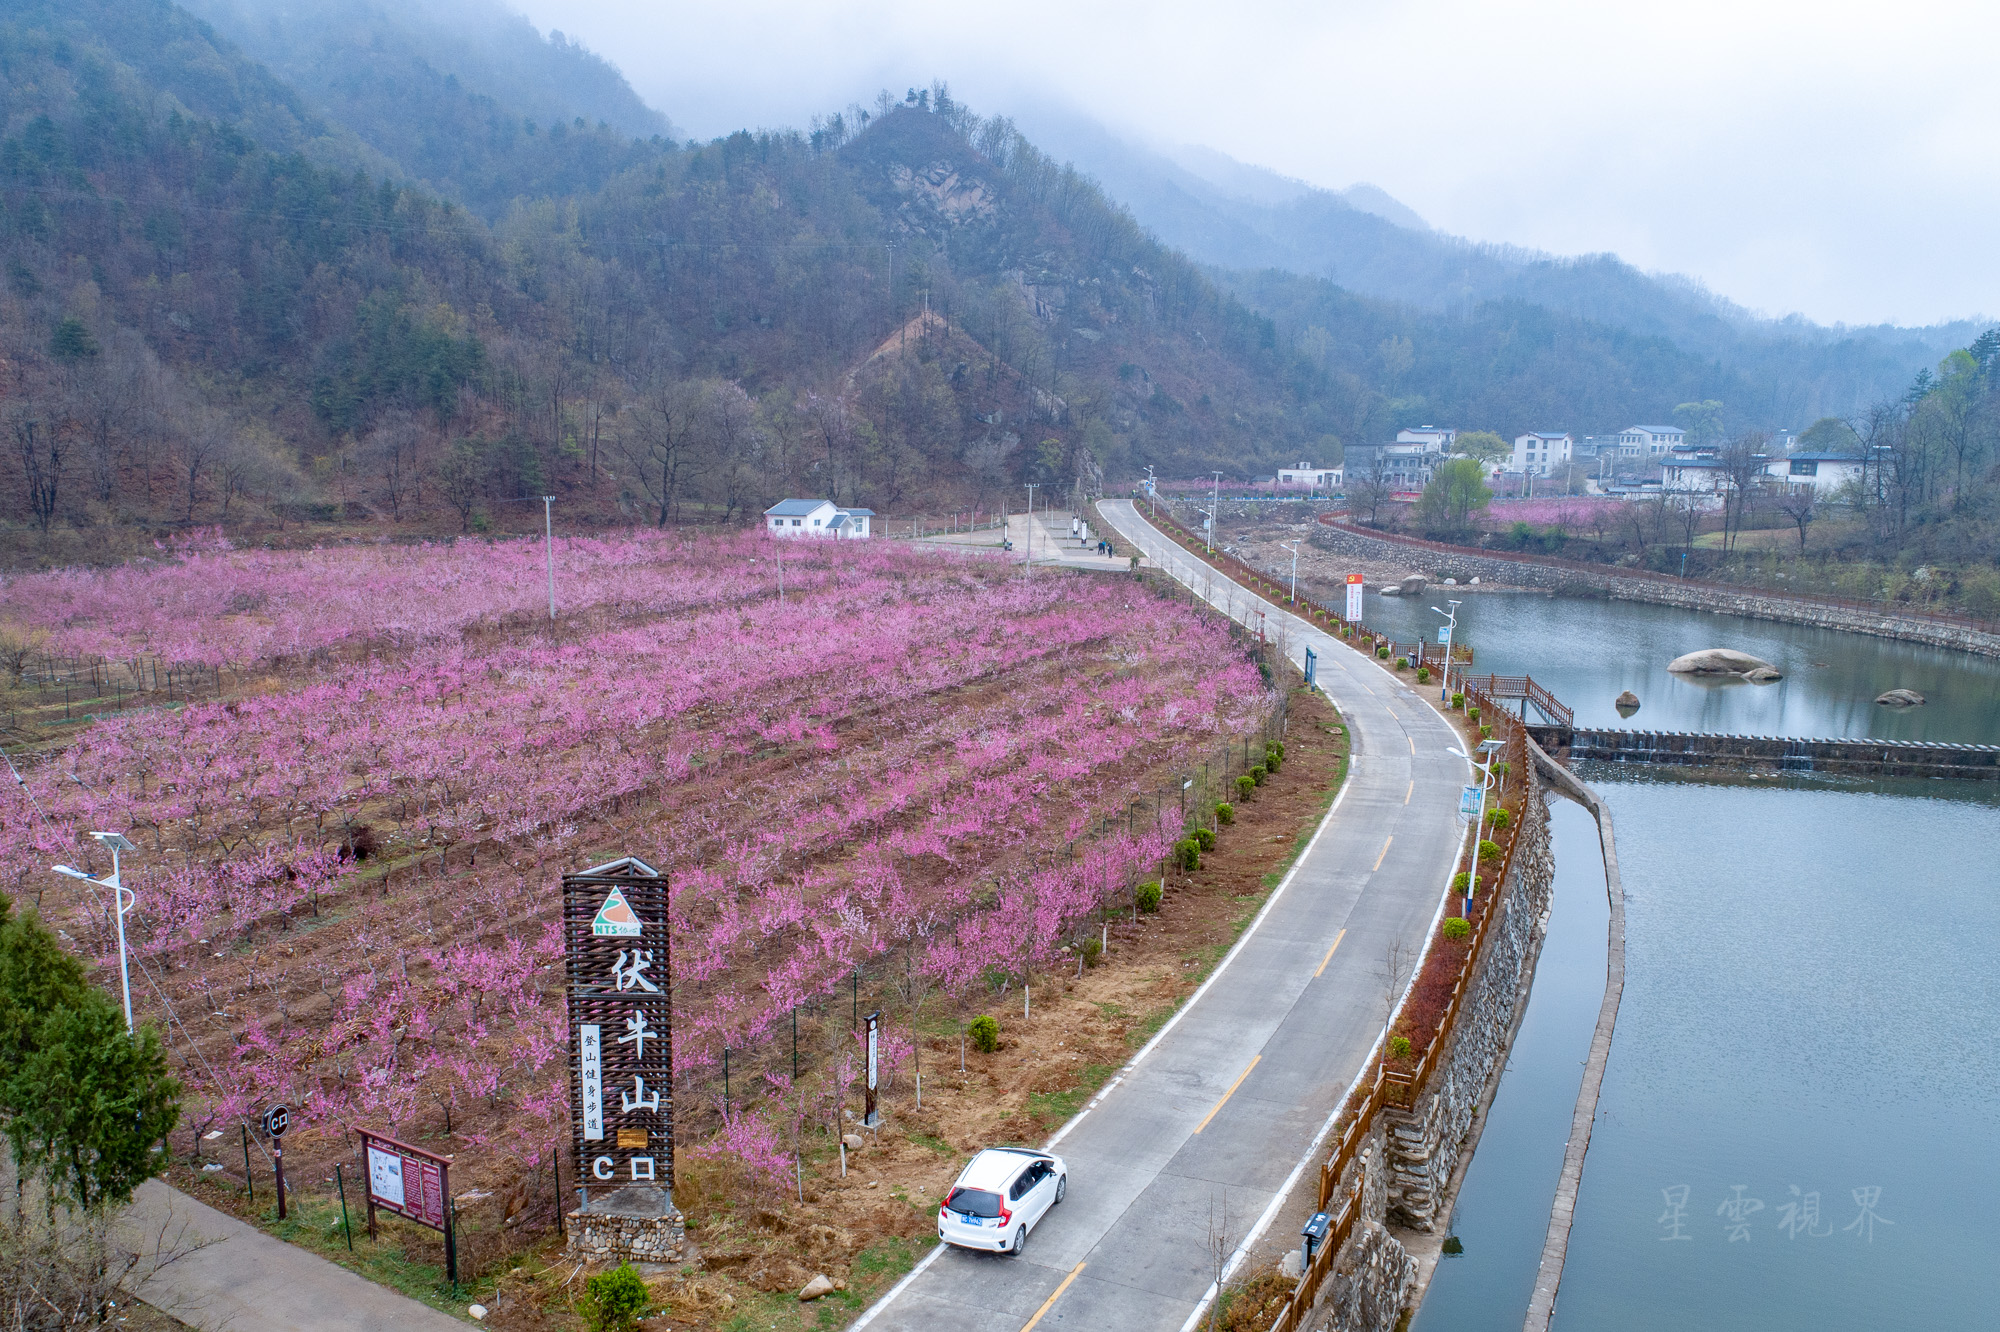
(1488, 850)
(1472, 714)
(612, 1301)
(985, 1033)
(1498, 818)
(1258, 773)
(1457, 927)
(1399, 1047)
(1402, 663)
(1271, 762)
(1187, 854)
(1206, 837)
(1275, 747)
(1092, 947)
(1457, 701)
(1246, 784)
(1423, 675)
(1486, 733)
(1460, 881)
(1225, 813)
(1382, 651)
(1502, 768)
(1149, 896)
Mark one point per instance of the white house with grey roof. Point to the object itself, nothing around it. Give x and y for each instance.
(1538, 453)
(1649, 441)
(817, 518)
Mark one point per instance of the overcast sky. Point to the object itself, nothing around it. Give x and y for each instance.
(1838, 160)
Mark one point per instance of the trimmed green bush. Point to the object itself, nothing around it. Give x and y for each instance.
(1498, 818)
(1258, 773)
(1271, 762)
(1460, 880)
(1149, 895)
(1399, 1047)
(1402, 663)
(1423, 675)
(1275, 747)
(612, 1301)
(1205, 836)
(1457, 701)
(1472, 714)
(1225, 813)
(985, 1033)
(1187, 854)
(1501, 768)
(1246, 784)
(1457, 927)
(1488, 850)
(1383, 652)
(1092, 947)
(1486, 733)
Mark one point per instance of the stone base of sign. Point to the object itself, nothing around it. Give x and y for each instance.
(638, 1225)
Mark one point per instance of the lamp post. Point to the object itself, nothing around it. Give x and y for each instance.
(1153, 491)
(1487, 748)
(1208, 525)
(1293, 547)
(1450, 631)
(1215, 499)
(123, 897)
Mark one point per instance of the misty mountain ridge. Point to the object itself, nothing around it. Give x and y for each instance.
(1240, 218)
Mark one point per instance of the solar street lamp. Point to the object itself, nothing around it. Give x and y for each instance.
(1451, 628)
(125, 899)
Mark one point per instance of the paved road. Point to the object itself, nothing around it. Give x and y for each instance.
(1232, 1096)
(214, 1272)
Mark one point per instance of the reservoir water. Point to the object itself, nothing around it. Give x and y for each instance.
(1797, 1121)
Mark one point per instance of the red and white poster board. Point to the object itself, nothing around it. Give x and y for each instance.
(408, 1181)
(1354, 586)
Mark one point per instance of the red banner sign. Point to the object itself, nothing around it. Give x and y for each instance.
(408, 1181)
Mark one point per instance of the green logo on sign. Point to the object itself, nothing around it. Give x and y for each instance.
(617, 918)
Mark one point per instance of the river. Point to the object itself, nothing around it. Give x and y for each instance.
(1797, 1120)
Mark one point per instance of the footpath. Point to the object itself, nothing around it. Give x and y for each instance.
(1182, 1162)
(214, 1272)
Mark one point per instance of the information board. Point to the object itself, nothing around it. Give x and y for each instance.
(1354, 589)
(406, 1180)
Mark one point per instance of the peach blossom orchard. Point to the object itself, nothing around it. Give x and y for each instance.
(915, 763)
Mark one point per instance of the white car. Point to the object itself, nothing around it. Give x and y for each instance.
(998, 1198)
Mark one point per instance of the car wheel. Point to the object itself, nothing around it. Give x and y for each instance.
(1020, 1242)
(1062, 1186)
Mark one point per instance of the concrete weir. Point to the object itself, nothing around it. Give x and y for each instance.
(1848, 757)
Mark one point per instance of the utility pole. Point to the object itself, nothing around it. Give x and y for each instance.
(1215, 514)
(1294, 548)
(1451, 628)
(1153, 490)
(1028, 545)
(549, 547)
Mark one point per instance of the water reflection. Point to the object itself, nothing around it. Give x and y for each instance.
(1590, 651)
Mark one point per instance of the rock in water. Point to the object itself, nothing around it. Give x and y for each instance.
(1901, 698)
(1762, 675)
(1627, 703)
(1721, 661)
(1414, 584)
(818, 1286)
(1392, 590)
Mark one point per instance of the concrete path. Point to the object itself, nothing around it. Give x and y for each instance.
(1193, 1146)
(1052, 543)
(214, 1272)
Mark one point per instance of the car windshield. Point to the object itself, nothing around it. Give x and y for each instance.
(974, 1202)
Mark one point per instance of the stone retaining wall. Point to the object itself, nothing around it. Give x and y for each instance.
(1467, 565)
(1406, 1166)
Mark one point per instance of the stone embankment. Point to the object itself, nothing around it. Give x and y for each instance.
(1574, 580)
(1409, 1168)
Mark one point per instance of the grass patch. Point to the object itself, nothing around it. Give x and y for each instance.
(1149, 1026)
(1111, 1010)
(1059, 1106)
(936, 1144)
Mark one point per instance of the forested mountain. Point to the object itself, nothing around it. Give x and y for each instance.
(461, 95)
(1241, 218)
(225, 298)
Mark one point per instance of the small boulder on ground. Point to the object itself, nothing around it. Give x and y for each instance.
(852, 1141)
(1627, 703)
(1722, 661)
(818, 1286)
(1901, 698)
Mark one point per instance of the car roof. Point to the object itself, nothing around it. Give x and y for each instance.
(996, 1166)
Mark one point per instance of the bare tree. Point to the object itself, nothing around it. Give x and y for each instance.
(1399, 961)
(1797, 503)
(40, 446)
(391, 450)
(658, 441)
(1741, 464)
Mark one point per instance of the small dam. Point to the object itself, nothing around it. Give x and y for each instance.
(1845, 757)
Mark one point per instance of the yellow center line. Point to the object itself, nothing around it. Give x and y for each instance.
(1224, 1101)
(1029, 1325)
(1412, 791)
(1329, 954)
(1385, 851)
(1413, 743)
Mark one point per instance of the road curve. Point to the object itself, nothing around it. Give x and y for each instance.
(1229, 1100)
